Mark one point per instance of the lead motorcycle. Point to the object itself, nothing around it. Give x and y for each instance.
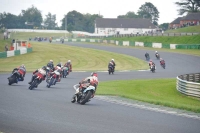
(84, 95)
(52, 79)
(110, 70)
(38, 79)
(14, 78)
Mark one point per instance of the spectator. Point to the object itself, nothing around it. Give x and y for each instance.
(6, 47)
(5, 35)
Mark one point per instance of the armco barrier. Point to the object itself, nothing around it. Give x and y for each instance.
(147, 44)
(189, 84)
(140, 44)
(132, 43)
(184, 46)
(166, 46)
(15, 52)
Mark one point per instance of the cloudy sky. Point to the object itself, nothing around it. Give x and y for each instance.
(107, 8)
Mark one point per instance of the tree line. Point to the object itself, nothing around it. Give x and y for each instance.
(31, 18)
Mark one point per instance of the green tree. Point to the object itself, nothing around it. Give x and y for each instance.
(33, 16)
(129, 15)
(75, 21)
(90, 21)
(8, 20)
(164, 26)
(50, 21)
(188, 6)
(148, 10)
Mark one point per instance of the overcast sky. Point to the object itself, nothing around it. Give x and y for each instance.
(107, 8)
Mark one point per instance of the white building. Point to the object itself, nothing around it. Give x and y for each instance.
(113, 26)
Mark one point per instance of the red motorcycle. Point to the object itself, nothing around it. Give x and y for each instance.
(38, 79)
(162, 63)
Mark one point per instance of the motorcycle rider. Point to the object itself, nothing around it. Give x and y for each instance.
(50, 39)
(69, 65)
(91, 80)
(41, 71)
(112, 64)
(146, 55)
(58, 69)
(22, 71)
(50, 65)
(151, 63)
(162, 61)
(156, 54)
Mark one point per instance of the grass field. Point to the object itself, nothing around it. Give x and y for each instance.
(83, 59)
(27, 35)
(190, 29)
(156, 91)
(163, 39)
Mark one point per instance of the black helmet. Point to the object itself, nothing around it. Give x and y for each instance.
(44, 68)
(59, 64)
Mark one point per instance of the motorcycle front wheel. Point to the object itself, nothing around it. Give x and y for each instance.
(33, 84)
(86, 98)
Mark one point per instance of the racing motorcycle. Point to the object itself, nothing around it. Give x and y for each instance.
(14, 78)
(65, 72)
(153, 68)
(52, 80)
(162, 63)
(84, 95)
(147, 58)
(36, 81)
(110, 70)
(157, 56)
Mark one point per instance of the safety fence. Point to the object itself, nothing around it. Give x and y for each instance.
(135, 43)
(189, 84)
(22, 50)
(157, 34)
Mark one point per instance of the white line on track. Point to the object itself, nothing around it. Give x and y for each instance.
(140, 106)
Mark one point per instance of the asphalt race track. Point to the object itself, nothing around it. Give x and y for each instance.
(49, 110)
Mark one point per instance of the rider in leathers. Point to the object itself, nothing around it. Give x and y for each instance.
(50, 65)
(151, 63)
(112, 64)
(41, 71)
(22, 71)
(69, 65)
(91, 80)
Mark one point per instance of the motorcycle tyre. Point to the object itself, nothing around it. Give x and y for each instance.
(86, 99)
(33, 85)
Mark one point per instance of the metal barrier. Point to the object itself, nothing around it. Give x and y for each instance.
(189, 84)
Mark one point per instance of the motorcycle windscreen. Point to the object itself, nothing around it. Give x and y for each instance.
(89, 88)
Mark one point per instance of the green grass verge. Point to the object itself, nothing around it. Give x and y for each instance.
(83, 59)
(155, 91)
(162, 39)
(190, 29)
(26, 35)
